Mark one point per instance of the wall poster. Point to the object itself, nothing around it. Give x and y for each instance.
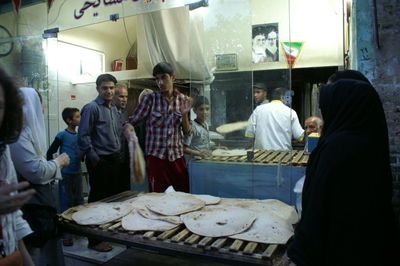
(265, 43)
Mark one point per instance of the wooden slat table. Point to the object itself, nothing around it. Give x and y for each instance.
(179, 241)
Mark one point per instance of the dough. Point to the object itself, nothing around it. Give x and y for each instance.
(231, 127)
(235, 152)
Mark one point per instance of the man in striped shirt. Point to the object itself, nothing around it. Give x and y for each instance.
(167, 122)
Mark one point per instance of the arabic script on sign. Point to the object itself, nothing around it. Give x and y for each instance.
(88, 4)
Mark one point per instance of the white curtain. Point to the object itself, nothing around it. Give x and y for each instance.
(314, 101)
(173, 36)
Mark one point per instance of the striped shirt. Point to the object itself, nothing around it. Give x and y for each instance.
(164, 136)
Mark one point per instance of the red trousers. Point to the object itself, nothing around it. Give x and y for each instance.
(163, 173)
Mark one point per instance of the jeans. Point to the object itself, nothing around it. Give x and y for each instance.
(70, 191)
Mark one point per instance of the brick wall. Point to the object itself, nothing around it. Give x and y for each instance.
(387, 74)
(377, 54)
(387, 79)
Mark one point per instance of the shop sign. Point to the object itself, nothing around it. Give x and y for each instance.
(226, 62)
(78, 13)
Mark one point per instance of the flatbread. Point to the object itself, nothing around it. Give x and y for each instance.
(231, 127)
(68, 213)
(214, 221)
(175, 203)
(155, 216)
(208, 199)
(268, 229)
(136, 222)
(136, 160)
(281, 209)
(144, 197)
(235, 152)
(286, 212)
(101, 213)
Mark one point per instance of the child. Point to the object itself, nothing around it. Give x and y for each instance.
(70, 187)
(198, 143)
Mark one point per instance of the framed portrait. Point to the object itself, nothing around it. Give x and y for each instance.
(265, 42)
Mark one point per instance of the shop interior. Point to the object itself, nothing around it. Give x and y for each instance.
(210, 47)
(218, 49)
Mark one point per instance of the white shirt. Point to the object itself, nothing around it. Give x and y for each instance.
(193, 115)
(274, 125)
(31, 165)
(14, 227)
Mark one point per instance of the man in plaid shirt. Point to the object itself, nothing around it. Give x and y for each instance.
(167, 121)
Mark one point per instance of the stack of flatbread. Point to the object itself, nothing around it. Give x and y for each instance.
(135, 221)
(175, 203)
(261, 221)
(273, 224)
(267, 228)
(136, 163)
(160, 212)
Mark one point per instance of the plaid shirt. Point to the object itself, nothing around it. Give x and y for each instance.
(164, 137)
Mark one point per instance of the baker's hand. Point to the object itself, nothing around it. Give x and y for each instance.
(10, 203)
(205, 154)
(128, 132)
(63, 160)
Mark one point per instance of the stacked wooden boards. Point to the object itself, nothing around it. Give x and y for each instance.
(293, 158)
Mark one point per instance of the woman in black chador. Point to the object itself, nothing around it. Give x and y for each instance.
(347, 216)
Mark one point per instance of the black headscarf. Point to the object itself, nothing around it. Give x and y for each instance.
(348, 74)
(347, 215)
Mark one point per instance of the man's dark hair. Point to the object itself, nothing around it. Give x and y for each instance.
(163, 68)
(200, 100)
(260, 86)
(105, 78)
(277, 93)
(68, 113)
(13, 118)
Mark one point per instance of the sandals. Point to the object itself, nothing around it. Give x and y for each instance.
(101, 247)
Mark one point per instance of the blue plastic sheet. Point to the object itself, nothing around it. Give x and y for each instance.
(245, 180)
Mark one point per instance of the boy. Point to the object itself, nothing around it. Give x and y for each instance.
(167, 117)
(198, 143)
(70, 187)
